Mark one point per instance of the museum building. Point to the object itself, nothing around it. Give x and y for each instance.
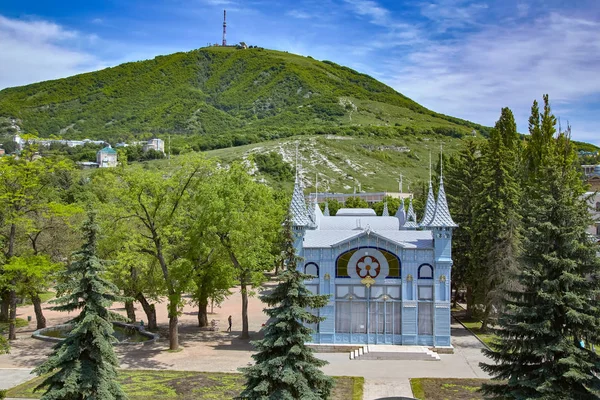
(388, 277)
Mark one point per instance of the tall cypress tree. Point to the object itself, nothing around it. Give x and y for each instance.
(539, 353)
(84, 365)
(286, 368)
(496, 215)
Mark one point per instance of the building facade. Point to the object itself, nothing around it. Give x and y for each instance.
(593, 178)
(594, 204)
(388, 277)
(106, 158)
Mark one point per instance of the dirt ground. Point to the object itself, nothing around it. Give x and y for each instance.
(202, 350)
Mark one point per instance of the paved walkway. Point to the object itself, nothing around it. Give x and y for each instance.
(223, 352)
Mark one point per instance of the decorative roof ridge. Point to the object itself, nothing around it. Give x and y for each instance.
(326, 212)
(411, 217)
(386, 212)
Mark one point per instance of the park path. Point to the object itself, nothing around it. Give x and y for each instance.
(224, 352)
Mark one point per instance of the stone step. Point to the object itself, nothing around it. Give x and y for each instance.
(394, 352)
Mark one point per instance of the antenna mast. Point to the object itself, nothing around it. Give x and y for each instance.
(224, 27)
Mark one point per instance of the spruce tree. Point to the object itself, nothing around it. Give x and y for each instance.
(285, 367)
(462, 171)
(539, 352)
(496, 216)
(84, 365)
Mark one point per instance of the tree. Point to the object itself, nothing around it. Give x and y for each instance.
(286, 368)
(26, 190)
(392, 203)
(332, 204)
(355, 202)
(246, 218)
(496, 216)
(539, 353)
(462, 171)
(84, 365)
(156, 202)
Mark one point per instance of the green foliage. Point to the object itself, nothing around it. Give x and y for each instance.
(355, 202)
(246, 219)
(496, 215)
(272, 164)
(392, 203)
(285, 367)
(220, 97)
(553, 307)
(83, 366)
(462, 172)
(333, 206)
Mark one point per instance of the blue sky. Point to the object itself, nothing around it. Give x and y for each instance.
(460, 57)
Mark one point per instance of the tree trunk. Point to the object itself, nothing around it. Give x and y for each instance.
(470, 301)
(130, 309)
(203, 314)
(5, 306)
(150, 311)
(485, 319)
(39, 314)
(12, 317)
(173, 331)
(454, 289)
(245, 334)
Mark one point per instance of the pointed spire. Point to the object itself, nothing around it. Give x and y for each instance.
(401, 212)
(411, 218)
(298, 206)
(430, 204)
(386, 212)
(442, 217)
(326, 212)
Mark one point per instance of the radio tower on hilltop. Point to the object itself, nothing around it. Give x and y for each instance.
(224, 27)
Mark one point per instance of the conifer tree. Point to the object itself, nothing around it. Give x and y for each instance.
(286, 368)
(462, 171)
(540, 353)
(496, 216)
(83, 366)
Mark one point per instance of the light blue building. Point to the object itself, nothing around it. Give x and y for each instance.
(388, 277)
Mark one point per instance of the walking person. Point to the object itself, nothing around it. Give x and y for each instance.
(229, 320)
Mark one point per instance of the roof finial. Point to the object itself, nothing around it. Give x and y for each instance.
(296, 160)
(400, 183)
(429, 166)
(441, 161)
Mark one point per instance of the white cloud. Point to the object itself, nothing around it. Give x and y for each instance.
(501, 66)
(37, 50)
(377, 14)
(298, 14)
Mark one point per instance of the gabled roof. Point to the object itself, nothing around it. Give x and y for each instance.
(429, 208)
(298, 207)
(442, 217)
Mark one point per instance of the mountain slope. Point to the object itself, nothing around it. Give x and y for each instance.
(218, 97)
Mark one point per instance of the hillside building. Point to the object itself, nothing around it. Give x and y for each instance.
(593, 178)
(106, 158)
(594, 203)
(388, 277)
(154, 144)
(371, 198)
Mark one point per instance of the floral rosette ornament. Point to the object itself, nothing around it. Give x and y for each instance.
(367, 266)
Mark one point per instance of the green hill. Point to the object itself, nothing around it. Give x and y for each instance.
(219, 97)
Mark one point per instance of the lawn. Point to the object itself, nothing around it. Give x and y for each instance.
(474, 325)
(183, 385)
(446, 388)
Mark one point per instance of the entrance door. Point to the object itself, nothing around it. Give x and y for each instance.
(384, 322)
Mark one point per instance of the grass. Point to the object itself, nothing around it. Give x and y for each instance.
(446, 388)
(167, 385)
(19, 322)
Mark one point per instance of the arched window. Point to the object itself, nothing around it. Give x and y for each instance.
(425, 272)
(311, 269)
